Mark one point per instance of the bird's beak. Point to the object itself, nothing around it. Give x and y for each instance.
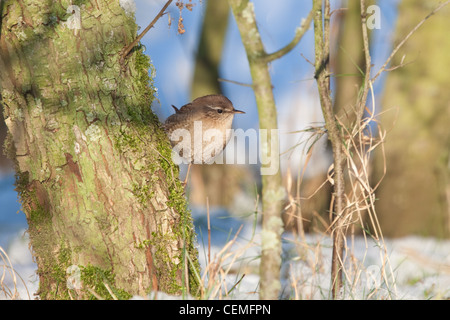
(238, 111)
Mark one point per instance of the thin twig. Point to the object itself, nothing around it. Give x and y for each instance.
(337, 11)
(209, 230)
(139, 37)
(235, 82)
(95, 294)
(383, 68)
(239, 281)
(311, 63)
(299, 32)
(400, 65)
(363, 97)
(110, 291)
(326, 41)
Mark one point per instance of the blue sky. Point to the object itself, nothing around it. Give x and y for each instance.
(173, 54)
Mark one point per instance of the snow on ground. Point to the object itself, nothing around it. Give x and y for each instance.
(405, 268)
(414, 267)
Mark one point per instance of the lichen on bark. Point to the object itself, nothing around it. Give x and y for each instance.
(95, 176)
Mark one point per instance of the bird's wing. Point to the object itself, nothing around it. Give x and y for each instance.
(182, 114)
(185, 108)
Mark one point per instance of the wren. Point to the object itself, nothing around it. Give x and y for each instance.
(201, 129)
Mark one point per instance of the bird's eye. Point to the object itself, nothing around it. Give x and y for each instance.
(219, 110)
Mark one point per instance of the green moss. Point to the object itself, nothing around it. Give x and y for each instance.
(143, 193)
(121, 109)
(52, 263)
(136, 137)
(146, 125)
(96, 279)
(145, 82)
(53, 258)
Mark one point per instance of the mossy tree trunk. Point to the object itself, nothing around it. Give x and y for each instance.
(414, 194)
(94, 170)
(5, 163)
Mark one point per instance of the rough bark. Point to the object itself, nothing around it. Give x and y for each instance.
(94, 171)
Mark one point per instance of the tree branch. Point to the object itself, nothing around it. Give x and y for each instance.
(127, 50)
(273, 192)
(363, 98)
(326, 42)
(299, 33)
(321, 33)
(235, 82)
(383, 68)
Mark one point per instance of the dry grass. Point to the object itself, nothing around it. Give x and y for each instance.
(358, 218)
(228, 266)
(8, 291)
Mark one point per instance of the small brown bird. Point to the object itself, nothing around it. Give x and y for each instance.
(200, 130)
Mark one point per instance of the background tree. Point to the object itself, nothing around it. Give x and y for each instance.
(414, 195)
(346, 62)
(94, 170)
(273, 193)
(220, 183)
(210, 47)
(322, 75)
(347, 59)
(214, 181)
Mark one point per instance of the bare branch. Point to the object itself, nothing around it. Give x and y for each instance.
(400, 65)
(307, 59)
(366, 84)
(337, 11)
(299, 32)
(235, 82)
(139, 37)
(383, 68)
(326, 41)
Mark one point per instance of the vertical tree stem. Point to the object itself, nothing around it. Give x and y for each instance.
(272, 190)
(321, 36)
(366, 85)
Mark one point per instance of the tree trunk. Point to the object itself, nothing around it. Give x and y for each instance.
(322, 58)
(413, 197)
(349, 62)
(209, 181)
(94, 170)
(273, 192)
(5, 163)
(209, 52)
